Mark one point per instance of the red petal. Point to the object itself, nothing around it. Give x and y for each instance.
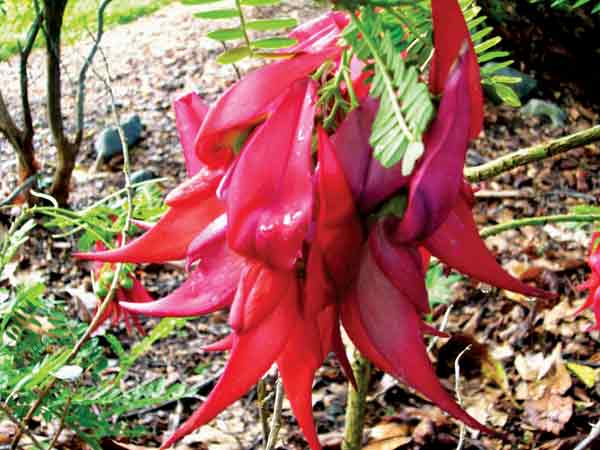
(221, 345)
(402, 266)
(168, 240)
(438, 179)
(209, 288)
(190, 112)
(392, 325)
(450, 34)
(252, 355)
(137, 293)
(202, 186)
(457, 244)
(269, 206)
(249, 100)
(339, 349)
(303, 355)
(339, 232)
(258, 293)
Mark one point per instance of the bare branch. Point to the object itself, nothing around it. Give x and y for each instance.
(84, 69)
(23, 76)
(461, 440)
(276, 417)
(594, 434)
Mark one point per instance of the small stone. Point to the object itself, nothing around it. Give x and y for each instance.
(108, 143)
(142, 175)
(543, 108)
(523, 88)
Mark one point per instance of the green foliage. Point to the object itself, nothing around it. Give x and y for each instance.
(37, 336)
(439, 285)
(245, 30)
(80, 17)
(574, 4)
(405, 105)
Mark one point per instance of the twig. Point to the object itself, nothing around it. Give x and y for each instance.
(531, 154)
(594, 434)
(6, 410)
(442, 327)
(83, 72)
(25, 185)
(463, 430)
(540, 221)
(276, 417)
(262, 410)
(357, 402)
(61, 425)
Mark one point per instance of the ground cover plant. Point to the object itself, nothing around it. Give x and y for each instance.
(325, 191)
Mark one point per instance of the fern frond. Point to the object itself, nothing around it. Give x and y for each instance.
(405, 105)
(248, 47)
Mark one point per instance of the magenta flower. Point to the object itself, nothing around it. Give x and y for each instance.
(289, 242)
(593, 282)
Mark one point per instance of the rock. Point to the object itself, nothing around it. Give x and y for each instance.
(543, 108)
(522, 88)
(142, 175)
(108, 143)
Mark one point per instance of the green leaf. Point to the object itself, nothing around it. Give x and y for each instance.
(260, 2)
(226, 34)
(199, 2)
(507, 94)
(217, 14)
(440, 287)
(234, 55)
(273, 43)
(271, 24)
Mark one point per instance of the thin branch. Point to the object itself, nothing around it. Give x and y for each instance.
(6, 410)
(84, 69)
(61, 425)
(23, 75)
(276, 417)
(461, 440)
(262, 410)
(594, 434)
(539, 221)
(442, 327)
(531, 154)
(24, 186)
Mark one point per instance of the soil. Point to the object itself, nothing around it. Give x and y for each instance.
(521, 366)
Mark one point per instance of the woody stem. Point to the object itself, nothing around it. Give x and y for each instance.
(357, 403)
(530, 154)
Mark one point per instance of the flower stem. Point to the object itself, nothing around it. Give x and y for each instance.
(542, 220)
(357, 403)
(530, 154)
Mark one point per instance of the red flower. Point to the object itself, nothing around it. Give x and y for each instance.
(293, 250)
(593, 282)
(129, 290)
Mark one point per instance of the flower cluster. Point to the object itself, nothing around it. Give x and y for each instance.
(298, 244)
(593, 282)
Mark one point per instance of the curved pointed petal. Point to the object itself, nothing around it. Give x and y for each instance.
(402, 266)
(190, 112)
(269, 208)
(202, 186)
(457, 244)
(438, 179)
(252, 355)
(209, 288)
(221, 345)
(450, 36)
(249, 100)
(213, 233)
(370, 182)
(138, 292)
(339, 349)
(168, 240)
(304, 353)
(392, 325)
(338, 227)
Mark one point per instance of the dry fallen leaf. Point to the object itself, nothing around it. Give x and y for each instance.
(389, 444)
(550, 413)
